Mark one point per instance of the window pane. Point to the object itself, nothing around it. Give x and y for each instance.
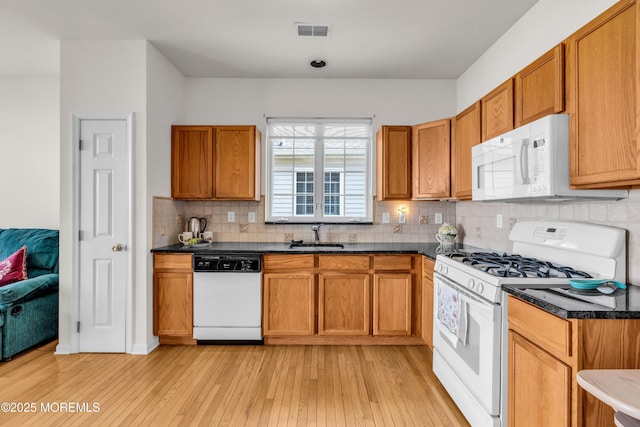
(343, 184)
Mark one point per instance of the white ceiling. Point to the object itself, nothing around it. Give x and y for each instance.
(403, 39)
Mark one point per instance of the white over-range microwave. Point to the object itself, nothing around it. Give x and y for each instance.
(530, 164)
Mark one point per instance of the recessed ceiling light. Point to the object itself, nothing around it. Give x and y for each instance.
(318, 63)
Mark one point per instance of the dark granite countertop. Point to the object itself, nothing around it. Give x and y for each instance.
(569, 308)
(428, 249)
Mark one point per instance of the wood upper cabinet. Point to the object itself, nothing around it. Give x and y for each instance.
(288, 295)
(173, 298)
(344, 295)
(393, 163)
(466, 133)
(545, 354)
(602, 83)
(237, 162)
(191, 162)
(539, 88)
(497, 111)
(427, 301)
(215, 162)
(431, 160)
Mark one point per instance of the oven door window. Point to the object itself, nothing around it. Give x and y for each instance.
(477, 361)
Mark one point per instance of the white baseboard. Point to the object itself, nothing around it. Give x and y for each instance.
(62, 349)
(143, 349)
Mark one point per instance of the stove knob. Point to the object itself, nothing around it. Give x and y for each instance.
(480, 288)
(471, 284)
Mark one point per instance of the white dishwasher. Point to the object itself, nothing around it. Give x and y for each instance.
(227, 298)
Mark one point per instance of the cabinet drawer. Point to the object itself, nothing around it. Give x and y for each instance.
(392, 262)
(427, 267)
(343, 262)
(544, 329)
(172, 262)
(288, 262)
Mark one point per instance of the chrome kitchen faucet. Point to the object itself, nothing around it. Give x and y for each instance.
(316, 237)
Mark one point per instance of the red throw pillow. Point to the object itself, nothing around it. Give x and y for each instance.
(14, 268)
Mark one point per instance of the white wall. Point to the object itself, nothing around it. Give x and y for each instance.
(100, 77)
(546, 24)
(29, 152)
(248, 101)
(165, 105)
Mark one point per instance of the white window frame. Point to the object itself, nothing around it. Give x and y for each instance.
(319, 216)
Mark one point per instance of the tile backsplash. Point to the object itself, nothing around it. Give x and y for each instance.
(477, 222)
(169, 219)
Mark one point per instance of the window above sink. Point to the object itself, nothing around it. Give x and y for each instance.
(318, 171)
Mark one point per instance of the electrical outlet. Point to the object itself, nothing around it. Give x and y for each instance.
(231, 216)
(353, 238)
(163, 230)
(438, 218)
(288, 237)
(499, 220)
(251, 217)
(386, 218)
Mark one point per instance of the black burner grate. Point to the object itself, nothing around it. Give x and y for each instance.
(513, 265)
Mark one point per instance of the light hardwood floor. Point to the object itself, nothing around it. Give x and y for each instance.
(229, 386)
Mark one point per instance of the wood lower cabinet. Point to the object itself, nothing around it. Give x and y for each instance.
(288, 295)
(602, 97)
(173, 298)
(539, 87)
(545, 354)
(341, 299)
(427, 300)
(393, 163)
(392, 303)
(215, 162)
(344, 304)
(534, 372)
(465, 134)
(431, 160)
(497, 111)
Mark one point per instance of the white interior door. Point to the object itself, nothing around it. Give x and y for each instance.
(104, 243)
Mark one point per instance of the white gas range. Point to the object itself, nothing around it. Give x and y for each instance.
(470, 319)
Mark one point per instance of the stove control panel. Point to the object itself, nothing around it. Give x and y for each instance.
(554, 233)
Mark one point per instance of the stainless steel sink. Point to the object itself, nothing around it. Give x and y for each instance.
(295, 245)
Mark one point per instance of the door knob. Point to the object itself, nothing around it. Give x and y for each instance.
(117, 247)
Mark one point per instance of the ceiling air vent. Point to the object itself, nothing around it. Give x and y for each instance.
(312, 30)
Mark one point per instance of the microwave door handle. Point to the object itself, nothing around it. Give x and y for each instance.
(524, 161)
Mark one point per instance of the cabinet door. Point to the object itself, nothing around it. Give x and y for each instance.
(539, 386)
(427, 301)
(602, 78)
(288, 304)
(392, 303)
(431, 162)
(466, 134)
(539, 88)
(393, 171)
(237, 160)
(191, 162)
(344, 304)
(497, 111)
(173, 304)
